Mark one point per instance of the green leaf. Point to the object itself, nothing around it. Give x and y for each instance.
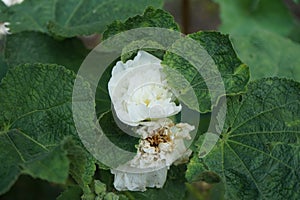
(268, 54)
(71, 18)
(150, 18)
(35, 116)
(100, 193)
(257, 155)
(33, 47)
(239, 17)
(214, 58)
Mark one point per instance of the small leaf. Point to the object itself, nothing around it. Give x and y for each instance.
(257, 156)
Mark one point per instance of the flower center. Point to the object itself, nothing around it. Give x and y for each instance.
(162, 135)
(151, 93)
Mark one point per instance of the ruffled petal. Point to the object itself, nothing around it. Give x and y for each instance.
(139, 181)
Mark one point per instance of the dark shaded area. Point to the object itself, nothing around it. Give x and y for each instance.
(27, 188)
(294, 8)
(194, 15)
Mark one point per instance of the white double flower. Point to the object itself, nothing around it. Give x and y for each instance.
(138, 90)
(139, 93)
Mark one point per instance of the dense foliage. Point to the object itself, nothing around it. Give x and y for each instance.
(258, 152)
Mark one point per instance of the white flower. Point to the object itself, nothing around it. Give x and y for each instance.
(3, 29)
(161, 145)
(11, 2)
(139, 91)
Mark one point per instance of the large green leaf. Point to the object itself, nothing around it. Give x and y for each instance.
(243, 16)
(35, 116)
(258, 153)
(69, 18)
(33, 47)
(214, 63)
(268, 54)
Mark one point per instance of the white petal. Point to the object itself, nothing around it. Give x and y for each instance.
(11, 2)
(139, 181)
(4, 30)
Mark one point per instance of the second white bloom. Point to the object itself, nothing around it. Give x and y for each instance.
(162, 144)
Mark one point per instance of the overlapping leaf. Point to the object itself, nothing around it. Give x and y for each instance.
(257, 156)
